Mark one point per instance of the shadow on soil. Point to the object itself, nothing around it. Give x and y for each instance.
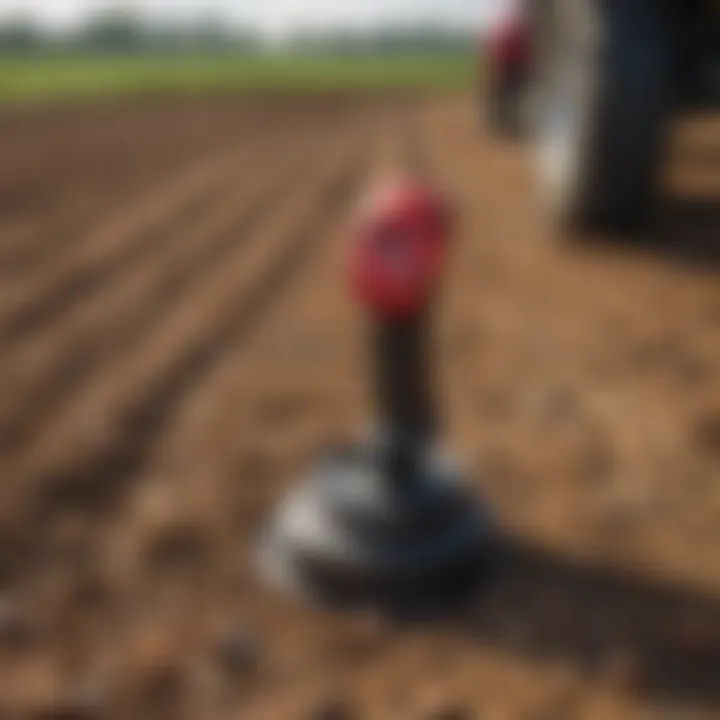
(687, 231)
(654, 638)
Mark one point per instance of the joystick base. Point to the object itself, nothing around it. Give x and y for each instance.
(352, 535)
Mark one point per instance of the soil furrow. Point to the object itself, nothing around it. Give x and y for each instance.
(121, 243)
(120, 318)
(93, 192)
(181, 358)
(36, 238)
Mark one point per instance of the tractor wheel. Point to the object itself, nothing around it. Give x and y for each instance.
(602, 99)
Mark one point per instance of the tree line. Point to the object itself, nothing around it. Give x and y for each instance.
(124, 32)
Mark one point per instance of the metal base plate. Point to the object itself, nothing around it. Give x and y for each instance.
(349, 536)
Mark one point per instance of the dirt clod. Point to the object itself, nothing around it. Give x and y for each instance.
(238, 651)
(16, 625)
(333, 709)
(450, 712)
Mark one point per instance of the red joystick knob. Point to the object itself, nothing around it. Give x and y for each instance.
(398, 247)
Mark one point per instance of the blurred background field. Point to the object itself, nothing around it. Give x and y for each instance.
(117, 53)
(46, 79)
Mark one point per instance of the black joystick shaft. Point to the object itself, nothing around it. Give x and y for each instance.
(403, 393)
(404, 398)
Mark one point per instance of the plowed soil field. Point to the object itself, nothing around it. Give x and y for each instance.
(176, 344)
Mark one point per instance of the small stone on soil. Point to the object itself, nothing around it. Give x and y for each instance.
(15, 623)
(86, 703)
(698, 637)
(622, 668)
(331, 710)
(238, 651)
(449, 712)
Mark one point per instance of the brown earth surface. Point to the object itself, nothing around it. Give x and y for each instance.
(176, 345)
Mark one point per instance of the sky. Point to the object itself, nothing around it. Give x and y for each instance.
(272, 16)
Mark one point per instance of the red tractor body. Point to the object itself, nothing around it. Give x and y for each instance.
(509, 40)
(505, 63)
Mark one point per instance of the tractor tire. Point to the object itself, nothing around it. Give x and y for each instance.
(603, 94)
